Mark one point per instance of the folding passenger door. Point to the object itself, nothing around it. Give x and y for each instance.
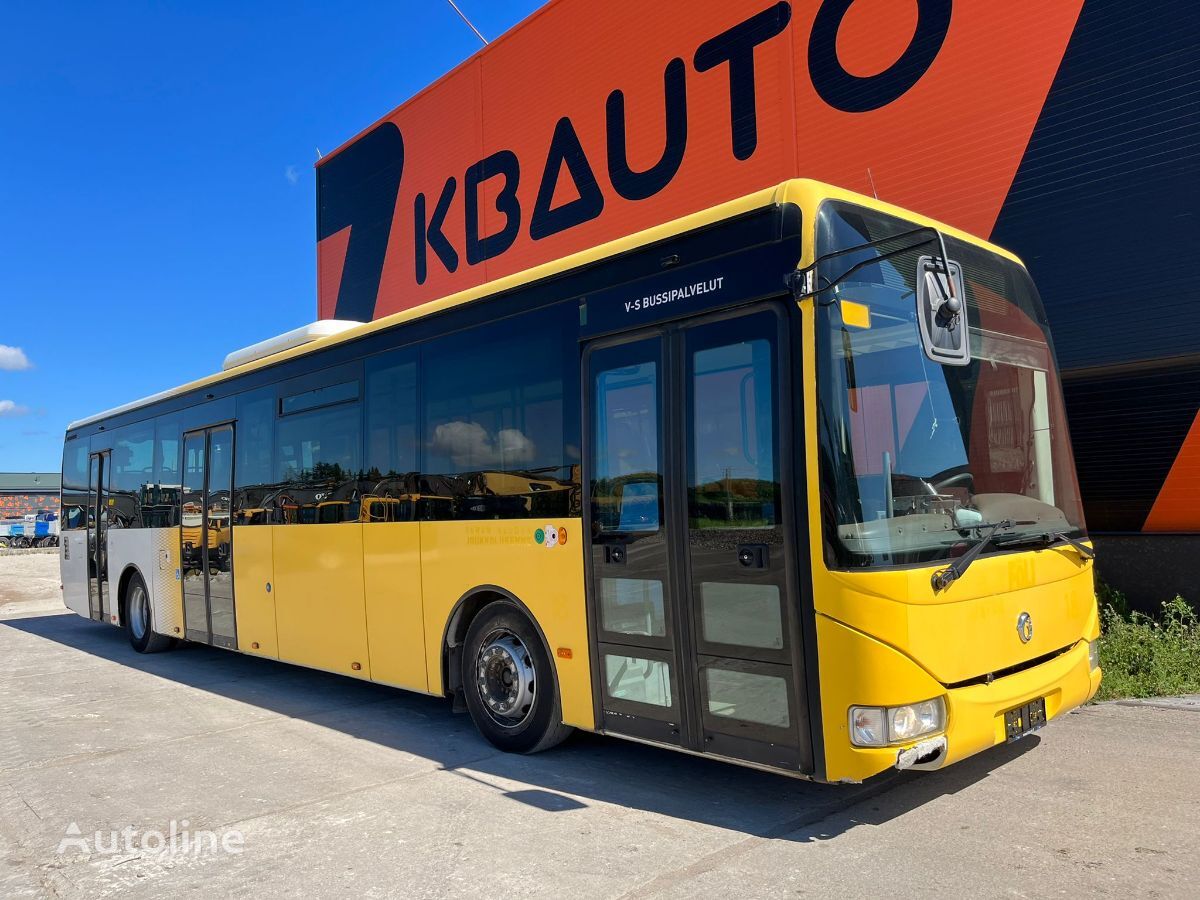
(694, 596)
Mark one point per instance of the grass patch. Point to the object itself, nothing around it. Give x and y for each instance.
(1147, 656)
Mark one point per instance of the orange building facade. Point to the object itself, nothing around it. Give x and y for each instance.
(1061, 131)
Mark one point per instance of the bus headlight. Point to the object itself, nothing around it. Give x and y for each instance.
(905, 723)
(1094, 654)
(878, 726)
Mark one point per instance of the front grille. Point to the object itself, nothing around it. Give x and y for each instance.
(989, 677)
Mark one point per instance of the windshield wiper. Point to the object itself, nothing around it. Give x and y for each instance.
(1049, 539)
(943, 578)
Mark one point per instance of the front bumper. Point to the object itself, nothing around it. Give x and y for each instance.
(975, 714)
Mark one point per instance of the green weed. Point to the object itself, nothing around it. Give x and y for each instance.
(1147, 656)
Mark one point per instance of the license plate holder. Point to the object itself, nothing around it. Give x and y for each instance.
(1024, 719)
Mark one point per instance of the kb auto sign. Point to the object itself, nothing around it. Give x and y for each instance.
(591, 121)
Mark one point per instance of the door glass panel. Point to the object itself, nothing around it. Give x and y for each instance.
(626, 495)
(733, 480)
(747, 696)
(741, 614)
(94, 514)
(220, 543)
(192, 537)
(638, 680)
(632, 606)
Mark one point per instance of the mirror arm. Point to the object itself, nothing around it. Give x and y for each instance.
(801, 282)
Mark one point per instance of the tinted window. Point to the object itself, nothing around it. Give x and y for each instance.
(74, 485)
(733, 483)
(160, 499)
(322, 396)
(626, 495)
(500, 419)
(393, 492)
(253, 448)
(317, 463)
(167, 451)
(132, 464)
(392, 414)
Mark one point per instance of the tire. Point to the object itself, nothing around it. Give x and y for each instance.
(509, 682)
(139, 622)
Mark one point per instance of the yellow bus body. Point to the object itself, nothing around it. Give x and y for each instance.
(378, 600)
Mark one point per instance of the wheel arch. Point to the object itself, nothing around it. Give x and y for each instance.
(465, 609)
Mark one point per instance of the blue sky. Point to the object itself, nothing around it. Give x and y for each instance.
(157, 201)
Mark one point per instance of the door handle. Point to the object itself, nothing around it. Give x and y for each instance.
(753, 556)
(614, 554)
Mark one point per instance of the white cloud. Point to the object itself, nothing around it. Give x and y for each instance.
(8, 408)
(469, 444)
(13, 359)
(292, 174)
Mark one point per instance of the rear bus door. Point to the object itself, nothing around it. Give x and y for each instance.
(206, 536)
(97, 534)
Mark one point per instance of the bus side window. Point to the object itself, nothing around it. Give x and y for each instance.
(75, 484)
(392, 451)
(499, 428)
(166, 478)
(318, 458)
(132, 471)
(253, 487)
(73, 518)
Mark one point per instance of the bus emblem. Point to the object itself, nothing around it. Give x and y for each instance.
(1025, 627)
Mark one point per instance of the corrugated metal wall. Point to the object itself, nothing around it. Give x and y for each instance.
(1104, 209)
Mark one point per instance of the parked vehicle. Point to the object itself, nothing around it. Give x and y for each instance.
(32, 530)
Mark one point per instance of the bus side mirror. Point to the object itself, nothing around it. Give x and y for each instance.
(942, 311)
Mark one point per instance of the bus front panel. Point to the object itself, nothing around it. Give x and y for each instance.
(952, 581)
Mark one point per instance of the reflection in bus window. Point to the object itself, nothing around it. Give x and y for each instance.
(498, 441)
(317, 462)
(74, 485)
(626, 485)
(253, 448)
(392, 414)
(132, 464)
(733, 480)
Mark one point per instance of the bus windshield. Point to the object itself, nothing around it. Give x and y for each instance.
(918, 458)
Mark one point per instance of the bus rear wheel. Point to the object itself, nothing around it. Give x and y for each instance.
(139, 622)
(509, 683)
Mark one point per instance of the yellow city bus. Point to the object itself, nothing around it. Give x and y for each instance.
(786, 482)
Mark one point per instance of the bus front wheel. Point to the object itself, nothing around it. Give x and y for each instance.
(508, 682)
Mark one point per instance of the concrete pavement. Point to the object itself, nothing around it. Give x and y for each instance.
(324, 786)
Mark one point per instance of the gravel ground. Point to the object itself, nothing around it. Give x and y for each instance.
(29, 583)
